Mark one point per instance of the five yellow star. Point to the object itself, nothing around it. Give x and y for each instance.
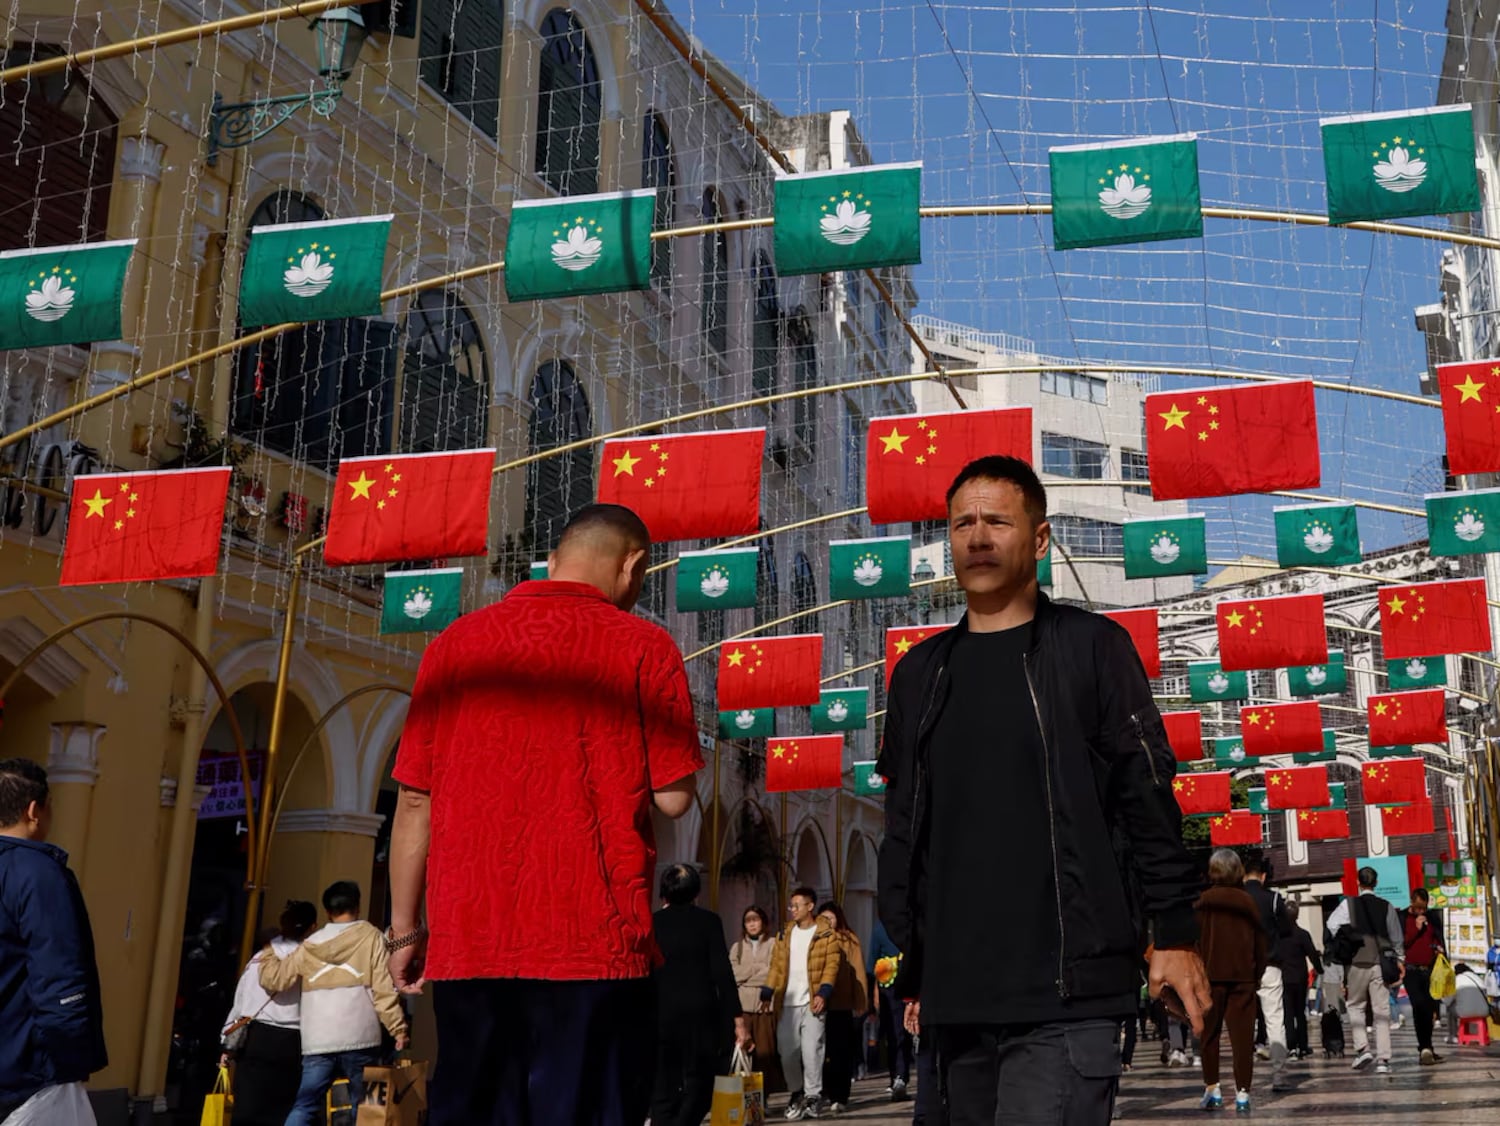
(1234, 618)
(1397, 604)
(902, 645)
(894, 441)
(1253, 717)
(1469, 389)
(625, 464)
(1173, 418)
(95, 504)
(1380, 708)
(361, 486)
(736, 659)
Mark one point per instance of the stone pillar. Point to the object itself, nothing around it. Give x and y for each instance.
(136, 191)
(72, 770)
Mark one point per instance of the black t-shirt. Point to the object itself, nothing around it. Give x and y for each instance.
(992, 943)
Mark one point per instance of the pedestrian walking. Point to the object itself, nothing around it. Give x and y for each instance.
(1374, 931)
(804, 970)
(697, 1003)
(263, 1031)
(1292, 954)
(889, 1010)
(51, 1017)
(750, 956)
(1271, 994)
(541, 732)
(848, 1002)
(346, 997)
(1080, 763)
(1422, 936)
(1234, 944)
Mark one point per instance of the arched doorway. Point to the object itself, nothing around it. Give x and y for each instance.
(811, 866)
(859, 885)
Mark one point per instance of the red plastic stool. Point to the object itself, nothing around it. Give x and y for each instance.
(1473, 1030)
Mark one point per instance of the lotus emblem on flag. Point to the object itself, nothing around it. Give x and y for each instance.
(309, 278)
(1416, 668)
(1316, 675)
(1237, 752)
(744, 720)
(1164, 549)
(417, 605)
(52, 302)
(876, 781)
(868, 571)
(1468, 527)
(1126, 199)
(578, 251)
(838, 711)
(847, 225)
(715, 583)
(1400, 171)
(1218, 684)
(1318, 539)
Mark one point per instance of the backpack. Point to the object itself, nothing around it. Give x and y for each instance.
(1346, 942)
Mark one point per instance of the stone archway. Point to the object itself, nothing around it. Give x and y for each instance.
(859, 884)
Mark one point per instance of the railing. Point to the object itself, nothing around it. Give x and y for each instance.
(940, 332)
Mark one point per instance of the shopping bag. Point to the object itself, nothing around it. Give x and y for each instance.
(1444, 984)
(752, 1083)
(729, 1101)
(395, 1095)
(217, 1103)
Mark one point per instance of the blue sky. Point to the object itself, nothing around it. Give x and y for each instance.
(979, 92)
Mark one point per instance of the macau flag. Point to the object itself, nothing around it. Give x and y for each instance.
(849, 219)
(579, 245)
(313, 271)
(871, 568)
(716, 580)
(1391, 165)
(1466, 523)
(1140, 190)
(867, 783)
(1169, 545)
(1319, 680)
(748, 723)
(1417, 672)
(841, 709)
(421, 601)
(1208, 682)
(62, 294)
(1316, 535)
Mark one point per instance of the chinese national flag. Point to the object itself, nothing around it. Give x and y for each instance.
(1395, 781)
(1407, 717)
(899, 641)
(1429, 619)
(687, 486)
(1143, 630)
(1268, 633)
(911, 459)
(1406, 820)
(1202, 793)
(1281, 729)
(805, 762)
(410, 506)
(1218, 441)
(1297, 787)
(1185, 733)
(1323, 824)
(134, 527)
(1471, 415)
(770, 672)
(1237, 828)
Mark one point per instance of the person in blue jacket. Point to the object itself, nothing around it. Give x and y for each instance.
(50, 1010)
(891, 1013)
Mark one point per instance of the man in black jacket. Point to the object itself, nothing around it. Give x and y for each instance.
(1027, 766)
(1271, 993)
(1291, 955)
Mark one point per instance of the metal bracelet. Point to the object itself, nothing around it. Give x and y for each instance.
(392, 944)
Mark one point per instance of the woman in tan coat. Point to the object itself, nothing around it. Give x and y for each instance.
(751, 956)
(1232, 940)
(851, 997)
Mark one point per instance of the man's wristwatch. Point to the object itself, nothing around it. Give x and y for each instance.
(392, 943)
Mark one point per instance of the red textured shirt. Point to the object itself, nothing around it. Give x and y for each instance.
(540, 725)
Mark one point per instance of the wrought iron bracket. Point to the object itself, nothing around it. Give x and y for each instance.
(237, 125)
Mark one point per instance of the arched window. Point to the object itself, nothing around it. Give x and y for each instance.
(659, 172)
(804, 376)
(804, 585)
(715, 315)
(568, 107)
(459, 49)
(767, 586)
(765, 331)
(320, 392)
(59, 146)
(445, 387)
(556, 487)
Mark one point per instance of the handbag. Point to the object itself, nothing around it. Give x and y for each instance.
(395, 1095)
(218, 1102)
(235, 1035)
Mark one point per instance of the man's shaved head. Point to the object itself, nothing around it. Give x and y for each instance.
(604, 527)
(605, 546)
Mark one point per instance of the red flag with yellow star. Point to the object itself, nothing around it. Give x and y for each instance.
(899, 641)
(1240, 827)
(1202, 793)
(1144, 628)
(1429, 619)
(1268, 633)
(687, 486)
(410, 506)
(1471, 415)
(1281, 729)
(1298, 787)
(770, 672)
(1407, 717)
(911, 459)
(1185, 733)
(1394, 781)
(1323, 824)
(1406, 820)
(1218, 441)
(805, 762)
(135, 527)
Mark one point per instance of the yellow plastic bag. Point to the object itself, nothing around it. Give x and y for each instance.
(1444, 984)
(219, 1102)
(729, 1101)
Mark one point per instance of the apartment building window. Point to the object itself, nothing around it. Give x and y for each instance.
(1134, 467)
(804, 586)
(557, 486)
(804, 376)
(446, 381)
(568, 107)
(1089, 388)
(765, 331)
(767, 585)
(714, 320)
(460, 56)
(658, 171)
(1067, 456)
(1083, 535)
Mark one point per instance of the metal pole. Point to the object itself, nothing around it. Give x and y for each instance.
(713, 843)
(786, 857)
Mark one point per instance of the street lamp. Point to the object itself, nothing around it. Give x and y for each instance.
(923, 572)
(340, 33)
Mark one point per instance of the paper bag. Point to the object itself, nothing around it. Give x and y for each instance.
(216, 1104)
(395, 1095)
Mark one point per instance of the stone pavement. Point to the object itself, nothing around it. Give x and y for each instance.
(1462, 1091)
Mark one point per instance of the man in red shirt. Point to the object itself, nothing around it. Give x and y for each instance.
(541, 731)
(1423, 933)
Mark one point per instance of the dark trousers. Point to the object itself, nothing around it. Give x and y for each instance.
(1294, 1009)
(267, 1073)
(930, 1108)
(1127, 1050)
(520, 1052)
(1423, 1008)
(897, 1039)
(1234, 1009)
(687, 1060)
(1061, 1074)
(838, 1055)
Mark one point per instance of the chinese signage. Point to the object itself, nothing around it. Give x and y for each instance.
(226, 793)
